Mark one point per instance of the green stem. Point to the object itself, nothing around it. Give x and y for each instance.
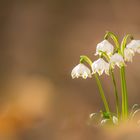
(116, 94)
(115, 86)
(123, 80)
(86, 59)
(124, 41)
(102, 93)
(113, 37)
(124, 94)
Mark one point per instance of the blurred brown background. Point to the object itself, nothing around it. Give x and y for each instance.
(40, 43)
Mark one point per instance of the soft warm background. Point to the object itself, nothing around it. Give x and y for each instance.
(40, 43)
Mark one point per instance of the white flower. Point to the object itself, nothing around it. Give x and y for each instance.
(92, 115)
(104, 46)
(81, 71)
(115, 120)
(100, 66)
(104, 121)
(134, 45)
(116, 59)
(128, 54)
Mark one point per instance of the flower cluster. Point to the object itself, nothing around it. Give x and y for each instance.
(110, 56)
(114, 58)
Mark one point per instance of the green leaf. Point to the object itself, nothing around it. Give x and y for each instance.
(106, 115)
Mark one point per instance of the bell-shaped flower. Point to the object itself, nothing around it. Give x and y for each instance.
(104, 121)
(104, 46)
(100, 66)
(116, 59)
(128, 54)
(81, 71)
(115, 120)
(134, 45)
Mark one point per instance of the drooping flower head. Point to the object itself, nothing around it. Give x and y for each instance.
(100, 66)
(115, 120)
(104, 46)
(116, 59)
(134, 45)
(81, 71)
(128, 54)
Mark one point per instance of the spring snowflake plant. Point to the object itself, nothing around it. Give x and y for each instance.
(109, 57)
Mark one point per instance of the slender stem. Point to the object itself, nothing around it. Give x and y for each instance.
(115, 86)
(86, 59)
(102, 93)
(116, 94)
(124, 41)
(113, 37)
(124, 94)
(123, 80)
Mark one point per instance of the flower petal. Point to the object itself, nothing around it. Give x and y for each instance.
(81, 71)
(100, 66)
(117, 59)
(104, 46)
